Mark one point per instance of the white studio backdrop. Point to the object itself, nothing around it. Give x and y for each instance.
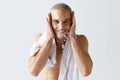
(20, 20)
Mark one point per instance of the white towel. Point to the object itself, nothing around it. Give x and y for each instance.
(68, 68)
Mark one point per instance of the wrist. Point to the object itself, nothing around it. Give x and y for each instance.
(49, 40)
(73, 37)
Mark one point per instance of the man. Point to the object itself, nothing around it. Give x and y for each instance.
(67, 62)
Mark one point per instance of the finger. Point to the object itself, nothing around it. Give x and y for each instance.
(73, 26)
(48, 19)
(50, 28)
(73, 19)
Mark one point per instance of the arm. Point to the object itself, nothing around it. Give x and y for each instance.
(79, 46)
(38, 61)
(80, 51)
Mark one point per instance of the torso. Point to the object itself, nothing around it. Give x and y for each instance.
(52, 73)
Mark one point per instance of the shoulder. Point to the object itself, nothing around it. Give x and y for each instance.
(37, 36)
(83, 41)
(82, 38)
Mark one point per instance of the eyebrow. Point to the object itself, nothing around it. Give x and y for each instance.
(67, 19)
(64, 19)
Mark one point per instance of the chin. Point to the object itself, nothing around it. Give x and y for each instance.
(60, 37)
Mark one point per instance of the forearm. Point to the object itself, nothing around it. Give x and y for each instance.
(39, 60)
(82, 59)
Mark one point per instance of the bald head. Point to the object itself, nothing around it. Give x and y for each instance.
(61, 19)
(61, 6)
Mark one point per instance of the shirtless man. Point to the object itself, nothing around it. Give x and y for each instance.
(61, 21)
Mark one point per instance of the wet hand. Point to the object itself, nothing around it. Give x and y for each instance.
(72, 27)
(50, 32)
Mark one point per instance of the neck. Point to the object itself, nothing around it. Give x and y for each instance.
(60, 42)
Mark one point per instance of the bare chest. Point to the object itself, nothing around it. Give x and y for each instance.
(52, 73)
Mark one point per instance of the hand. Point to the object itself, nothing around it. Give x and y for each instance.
(72, 27)
(50, 32)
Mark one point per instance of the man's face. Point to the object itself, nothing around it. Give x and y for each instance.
(61, 20)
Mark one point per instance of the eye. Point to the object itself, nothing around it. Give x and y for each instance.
(56, 21)
(66, 22)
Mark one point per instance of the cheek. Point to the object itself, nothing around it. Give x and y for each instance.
(54, 26)
(68, 28)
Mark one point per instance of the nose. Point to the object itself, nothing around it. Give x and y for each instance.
(61, 26)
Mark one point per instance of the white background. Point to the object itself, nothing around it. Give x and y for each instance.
(20, 20)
